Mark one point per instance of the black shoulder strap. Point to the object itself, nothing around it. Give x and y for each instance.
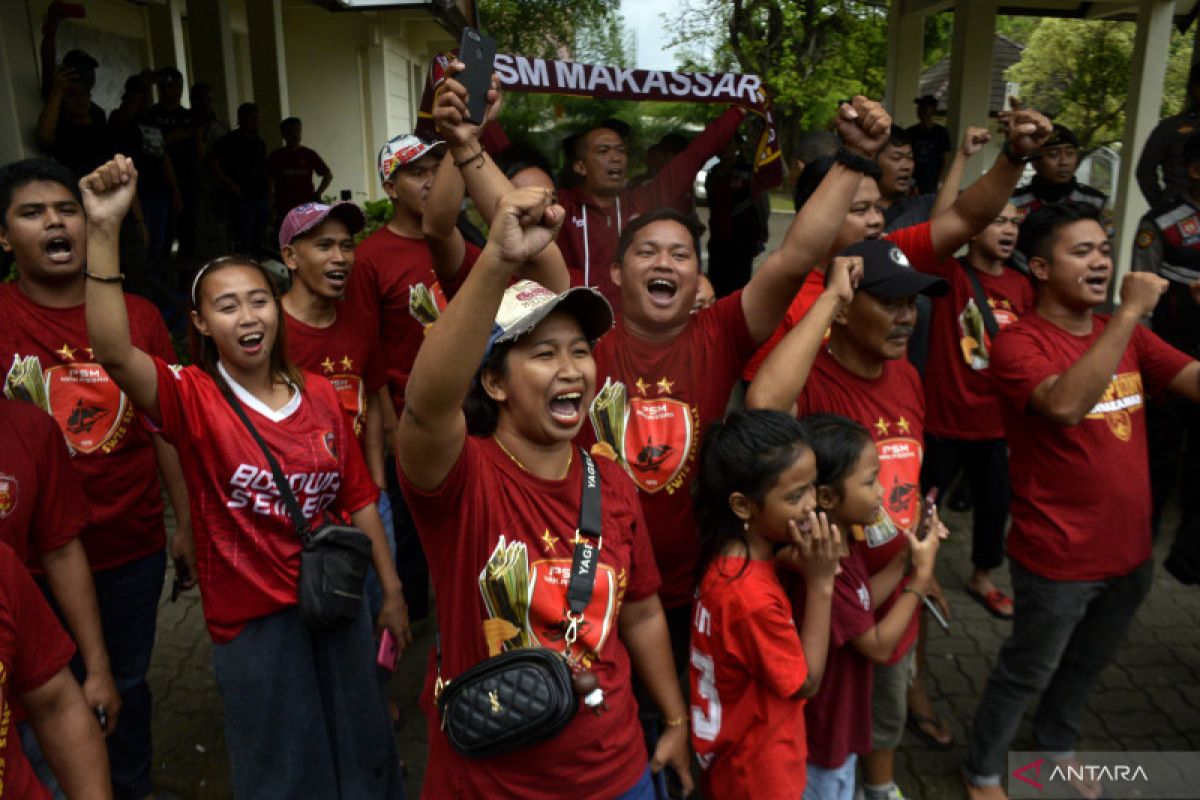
(285, 491)
(989, 319)
(585, 560)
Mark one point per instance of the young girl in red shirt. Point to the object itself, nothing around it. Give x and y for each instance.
(751, 670)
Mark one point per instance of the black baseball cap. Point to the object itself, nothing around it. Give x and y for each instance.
(887, 273)
(926, 100)
(1061, 134)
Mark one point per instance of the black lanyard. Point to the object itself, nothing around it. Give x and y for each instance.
(586, 559)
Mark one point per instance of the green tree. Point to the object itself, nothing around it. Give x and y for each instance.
(1077, 72)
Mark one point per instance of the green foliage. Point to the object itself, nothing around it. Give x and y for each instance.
(1077, 72)
(378, 212)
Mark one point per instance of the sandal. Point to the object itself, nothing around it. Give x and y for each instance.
(931, 730)
(996, 602)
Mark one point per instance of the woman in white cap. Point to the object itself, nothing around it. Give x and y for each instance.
(498, 494)
(304, 716)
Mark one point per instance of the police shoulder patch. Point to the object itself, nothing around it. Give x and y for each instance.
(1145, 238)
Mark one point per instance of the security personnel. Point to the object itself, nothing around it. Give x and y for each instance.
(1054, 181)
(1168, 244)
(1164, 149)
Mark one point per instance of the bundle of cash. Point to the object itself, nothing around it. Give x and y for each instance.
(26, 382)
(504, 582)
(608, 412)
(422, 304)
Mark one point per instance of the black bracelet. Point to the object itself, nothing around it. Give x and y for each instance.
(118, 278)
(1020, 160)
(477, 157)
(856, 162)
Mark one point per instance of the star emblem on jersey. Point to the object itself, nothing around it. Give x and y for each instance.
(66, 352)
(550, 541)
(327, 365)
(902, 425)
(347, 363)
(882, 426)
(642, 386)
(664, 386)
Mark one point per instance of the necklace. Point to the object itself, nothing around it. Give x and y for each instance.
(517, 461)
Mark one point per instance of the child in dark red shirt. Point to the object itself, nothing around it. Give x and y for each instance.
(838, 717)
(750, 669)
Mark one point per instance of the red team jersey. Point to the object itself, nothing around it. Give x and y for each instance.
(247, 549)
(346, 353)
(386, 266)
(1081, 494)
(112, 452)
(33, 649)
(891, 407)
(42, 505)
(838, 716)
(674, 391)
(490, 514)
(961, 402)
(747, 665)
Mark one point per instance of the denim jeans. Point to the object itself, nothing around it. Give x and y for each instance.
(831, 784)
(304, 716)
(373, 589)
(128, 599)
(1064, 633)
(642, 790)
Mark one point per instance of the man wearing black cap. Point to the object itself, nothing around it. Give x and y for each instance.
(1055, 181)
(863, 374)
(1164, 149)
(930, 144)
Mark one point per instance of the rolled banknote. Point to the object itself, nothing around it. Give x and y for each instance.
(607, 413)
(26, 382)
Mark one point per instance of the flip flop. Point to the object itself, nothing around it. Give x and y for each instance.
(917, 724)
(996, 602)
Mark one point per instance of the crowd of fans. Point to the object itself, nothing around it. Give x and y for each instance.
(767, 445)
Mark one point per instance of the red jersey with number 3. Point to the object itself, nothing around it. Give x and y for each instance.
(112, 452)
(892, 408)
(747, 665)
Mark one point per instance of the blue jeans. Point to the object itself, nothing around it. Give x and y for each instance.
(128, 599)
(642, 790)
(1064, 633)
(304, 716)
(831, 784)
(373, 590)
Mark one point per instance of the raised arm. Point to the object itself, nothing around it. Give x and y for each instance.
(781, 378)
(438, 223)
(432, 427)
(107, 194)
(983, 200)
(1067, 398)
(973, 142)
(878, 643)
(677, 175)
(485, 181)
(864, 127)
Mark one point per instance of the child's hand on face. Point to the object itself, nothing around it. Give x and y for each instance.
(817, 547)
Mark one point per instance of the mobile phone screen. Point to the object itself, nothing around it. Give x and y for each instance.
(478, 53)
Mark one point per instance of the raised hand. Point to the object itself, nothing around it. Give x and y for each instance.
(1141, 291)
(526, 221)
(864, 126)
(817, 548)
(108, 192)
(974, 140)
(923, 553)
(843, 277)
(1027, 131)
(450, 108)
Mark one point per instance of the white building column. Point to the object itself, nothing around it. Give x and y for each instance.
(1141, 115)
(268, 67)
(905, 54)
(971, 74)
(20, 84)
(213, 60)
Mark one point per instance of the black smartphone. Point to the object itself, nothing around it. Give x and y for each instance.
(478, 52)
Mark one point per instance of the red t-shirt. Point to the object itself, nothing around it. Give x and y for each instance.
(961, 401)
(892, 408)
(42, 505)
(916, 243)
(747, 665)
(247, 549)
(487, 503)
(292, 173)
(113, 454)
(347, 354)
(386, 267)
(675, 390)
(33, 649)
(1081, 494)
(838, 717)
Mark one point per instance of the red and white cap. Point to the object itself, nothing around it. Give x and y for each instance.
(307, 216)
(405, 149)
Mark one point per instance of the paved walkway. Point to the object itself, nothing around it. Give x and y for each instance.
(1148, 700)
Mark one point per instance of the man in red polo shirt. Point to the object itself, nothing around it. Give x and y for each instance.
(1074, 386)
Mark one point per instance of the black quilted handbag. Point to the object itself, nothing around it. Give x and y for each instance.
(525, 696)
(508, 702)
